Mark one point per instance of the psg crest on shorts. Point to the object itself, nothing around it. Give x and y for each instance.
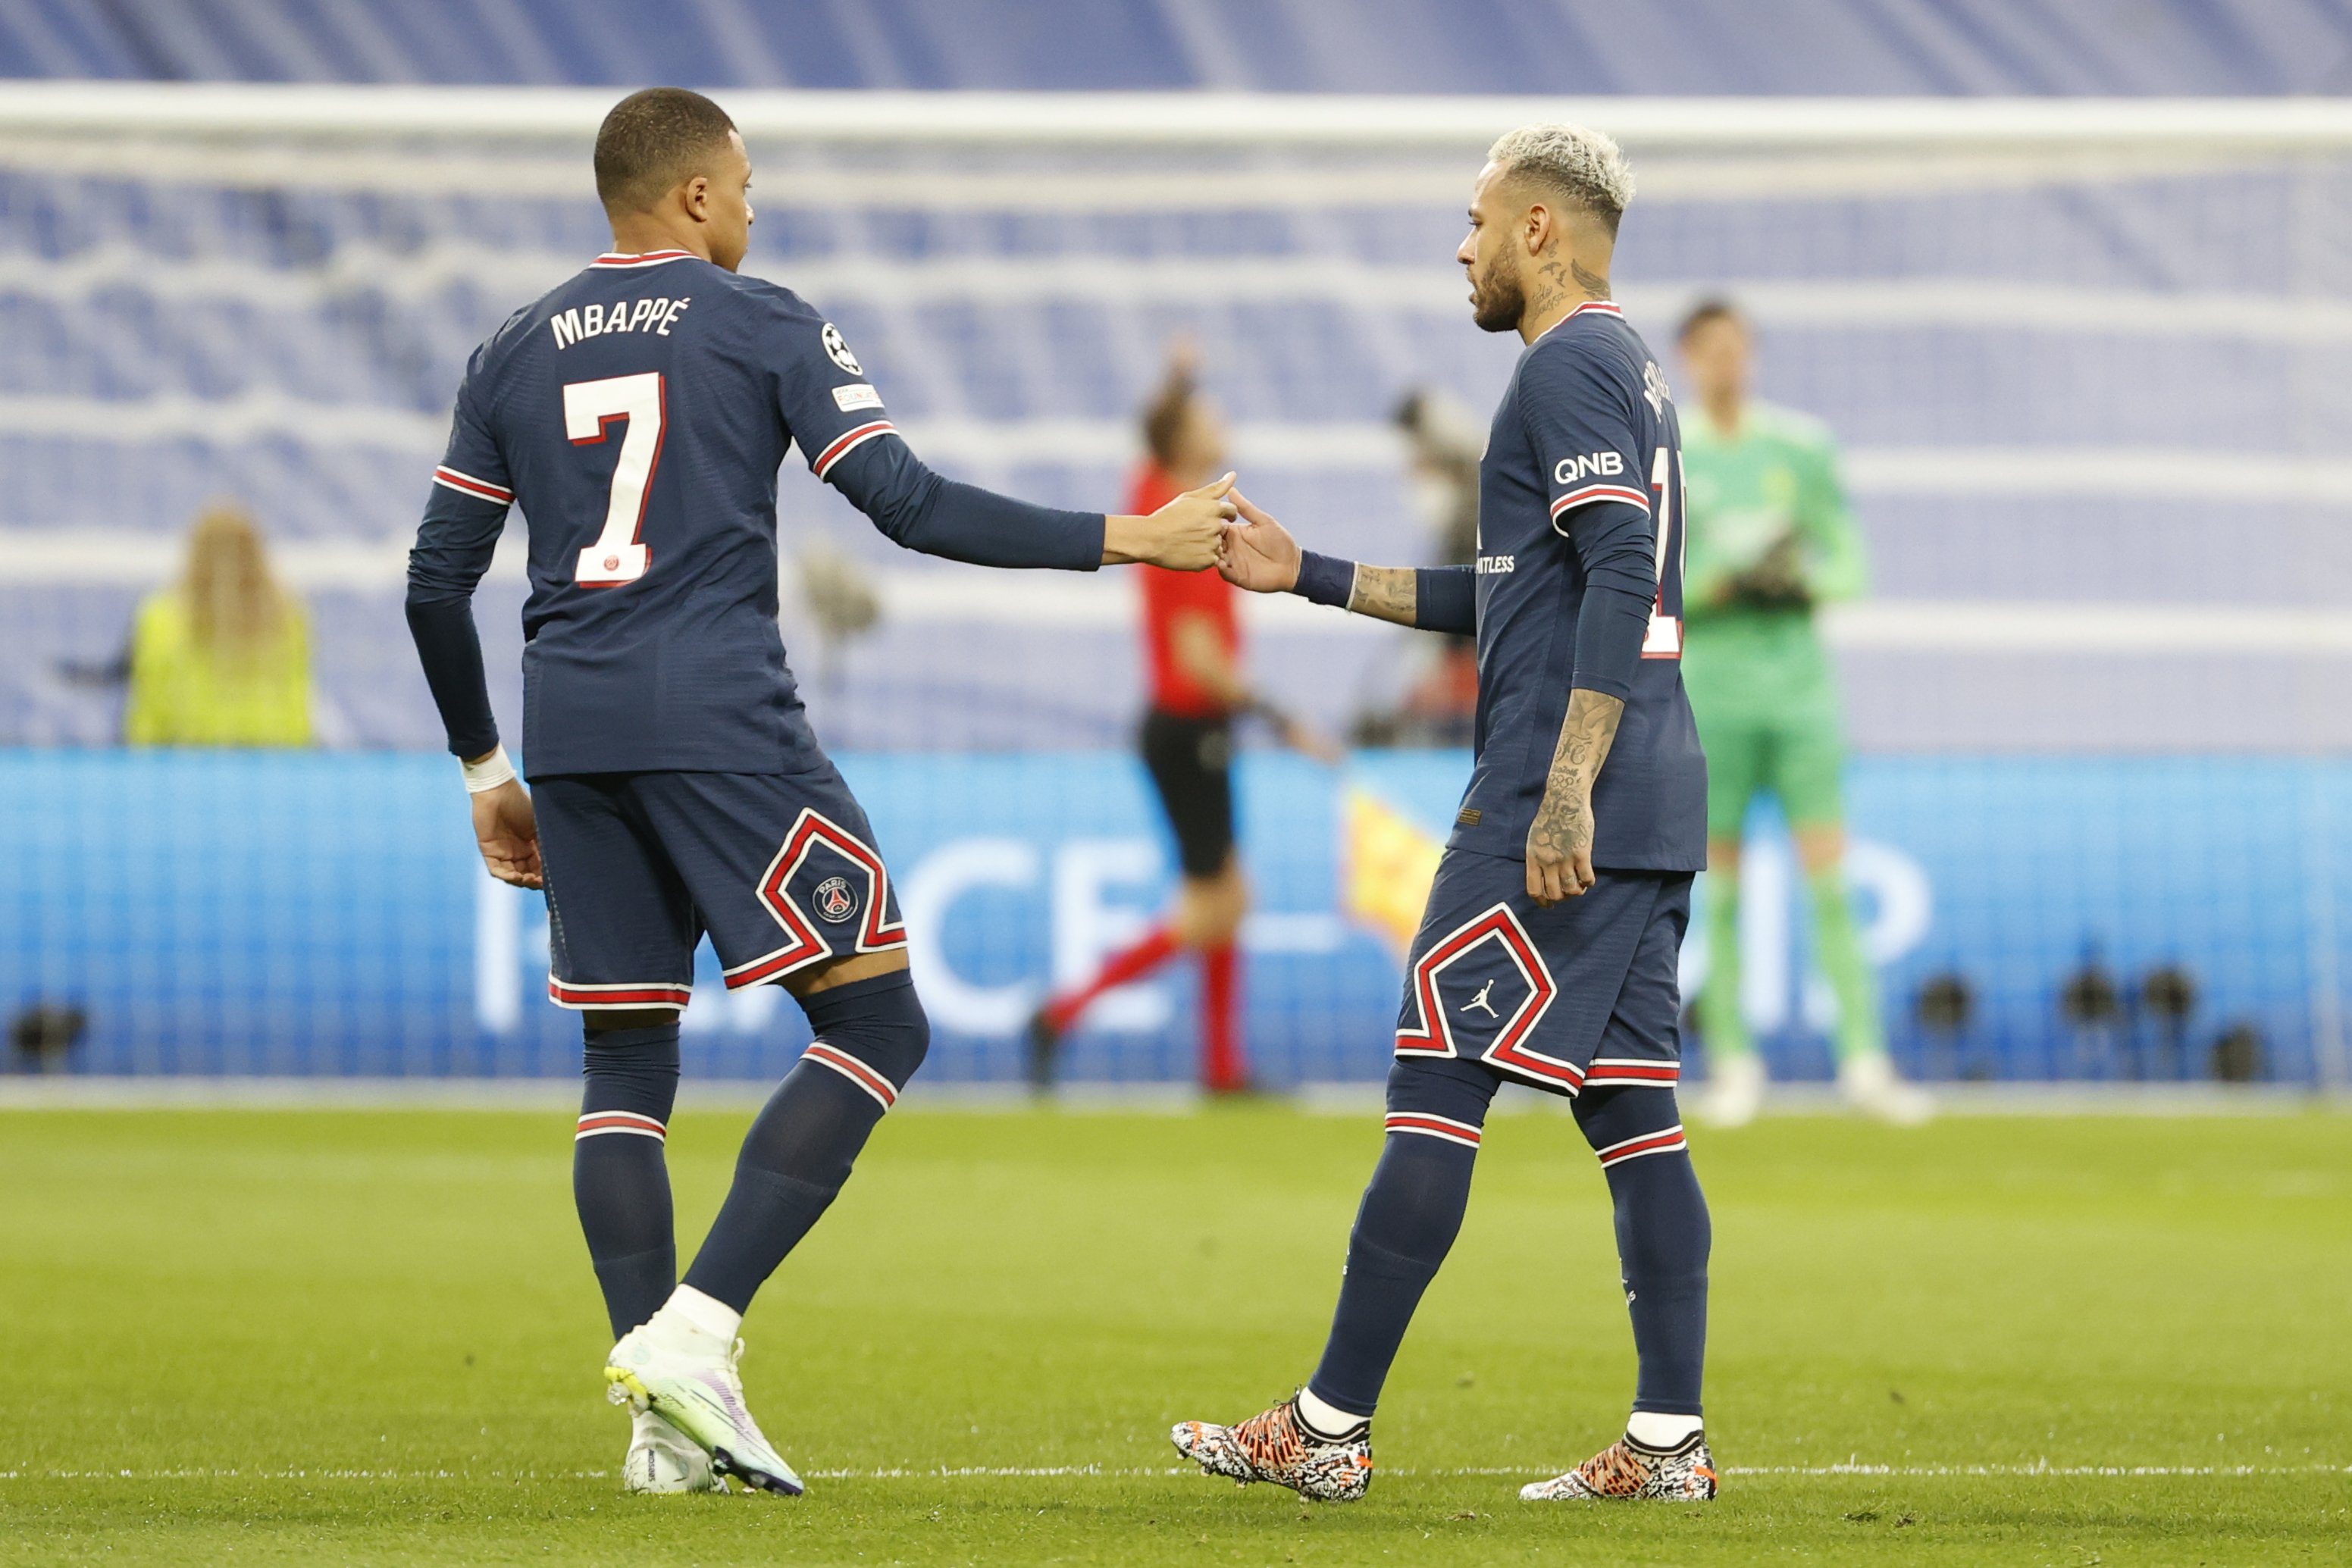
(834, 900)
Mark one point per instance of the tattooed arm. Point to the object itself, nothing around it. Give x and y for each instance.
(1384, 593)
(1260, 555)
(1560, 840)
(1609, 625)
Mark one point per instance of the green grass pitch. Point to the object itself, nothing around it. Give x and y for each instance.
(373, 1337)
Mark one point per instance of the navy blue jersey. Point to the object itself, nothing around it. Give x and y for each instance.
(638, 415)
(1581, 489)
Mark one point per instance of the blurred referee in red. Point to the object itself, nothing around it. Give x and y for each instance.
(1191, 634)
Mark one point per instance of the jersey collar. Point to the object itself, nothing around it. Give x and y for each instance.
(646, 258)
(1597, 307)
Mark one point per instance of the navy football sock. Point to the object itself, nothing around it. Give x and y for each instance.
(1662, 1237)
(870, 1037)
(619, 1179)
(1409, 1216)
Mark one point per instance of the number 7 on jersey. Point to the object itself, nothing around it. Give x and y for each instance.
(589, 409)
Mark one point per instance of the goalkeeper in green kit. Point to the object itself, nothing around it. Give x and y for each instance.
(1769, 538)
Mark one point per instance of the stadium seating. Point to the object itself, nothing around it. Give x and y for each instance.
(2094, 427)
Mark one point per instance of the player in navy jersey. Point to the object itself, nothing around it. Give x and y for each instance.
(638, 415)
(1547, 955)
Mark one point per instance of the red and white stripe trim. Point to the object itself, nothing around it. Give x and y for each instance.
(1590, 492)
(1669, 1142)
(884, 1092)
(467, 484)
(1429, 1126)
(647, 994)
(1589, 308)
(642, 258)
(849, 443)
(599, 1124)
(1625, 1071)
(1543, 1071)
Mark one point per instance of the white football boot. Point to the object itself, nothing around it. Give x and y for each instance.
(663, 1460)
(1735, 1090)
(1872, 1087)
(690, 1379)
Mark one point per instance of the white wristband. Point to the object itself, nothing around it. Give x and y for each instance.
(487, 775)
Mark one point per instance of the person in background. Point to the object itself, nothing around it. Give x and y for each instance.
(1198, 687)
(1769, 538)
(221, 657)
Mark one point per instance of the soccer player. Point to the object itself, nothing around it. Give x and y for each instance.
(1198, 687)
(1771, 537)
(1547, 955)
(637, 413)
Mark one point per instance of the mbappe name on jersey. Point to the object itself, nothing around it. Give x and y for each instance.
(623, 316)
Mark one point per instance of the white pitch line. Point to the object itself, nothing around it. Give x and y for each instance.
(1052, 1472)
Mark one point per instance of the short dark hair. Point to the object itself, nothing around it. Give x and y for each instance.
(1714, 307)
(651, 141)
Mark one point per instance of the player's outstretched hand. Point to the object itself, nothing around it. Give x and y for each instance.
(1186, 535)
(1260, 555)
(508, 830)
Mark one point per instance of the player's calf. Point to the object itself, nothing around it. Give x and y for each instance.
(1405, 1226)
(871, 1036)
(1319, 1443)
(619, 1179)
(1663, 1235)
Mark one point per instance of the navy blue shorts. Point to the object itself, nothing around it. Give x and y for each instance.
(1585, 993)
(779, 868)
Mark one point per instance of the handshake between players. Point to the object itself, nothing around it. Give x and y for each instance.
(1188, 534)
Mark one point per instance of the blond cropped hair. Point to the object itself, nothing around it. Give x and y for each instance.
(1574, 162)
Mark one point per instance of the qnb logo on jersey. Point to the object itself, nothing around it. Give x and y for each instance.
(1572, 469)
(1497, 565)
(836, 348)
(834, 899)
(657, 316)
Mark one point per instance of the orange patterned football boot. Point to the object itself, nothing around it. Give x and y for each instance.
(1277, 1447)
(1625, 1470)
